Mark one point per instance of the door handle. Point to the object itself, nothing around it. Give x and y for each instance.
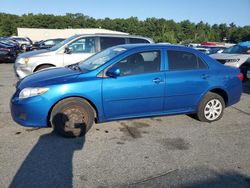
(205, 76)
(157, 80)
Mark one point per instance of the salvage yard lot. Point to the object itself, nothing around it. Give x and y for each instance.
(170, 151)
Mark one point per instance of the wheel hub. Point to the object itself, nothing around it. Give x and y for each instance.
(74, 116)
(213, 109)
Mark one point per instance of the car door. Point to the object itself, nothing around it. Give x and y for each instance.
(187, 79)
(139, 90)
(79, 50)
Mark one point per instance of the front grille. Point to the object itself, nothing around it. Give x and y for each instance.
(222, 61)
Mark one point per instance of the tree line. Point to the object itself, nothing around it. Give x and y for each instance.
(161, 30)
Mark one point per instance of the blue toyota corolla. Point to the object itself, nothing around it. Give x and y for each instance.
(126, 81)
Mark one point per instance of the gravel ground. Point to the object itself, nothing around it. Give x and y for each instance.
(170, 151)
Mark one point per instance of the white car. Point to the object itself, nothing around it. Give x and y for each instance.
(72, 50)
(236, 56)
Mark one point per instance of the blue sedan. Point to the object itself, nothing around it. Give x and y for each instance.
(126, 81)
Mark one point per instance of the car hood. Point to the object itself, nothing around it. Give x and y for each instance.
(35, 53)
(48, 77)
(229, 56)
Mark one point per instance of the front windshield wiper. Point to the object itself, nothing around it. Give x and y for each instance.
(74, 67)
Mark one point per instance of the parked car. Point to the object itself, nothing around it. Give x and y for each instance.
(24, 42)
(236, 56)
(10, 42)
(45, 44)
(7, 53)
(204, 50)
(69, 51)
(126, 81)
(210, 49)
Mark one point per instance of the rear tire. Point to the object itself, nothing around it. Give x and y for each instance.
(72, 117)
(210, 108)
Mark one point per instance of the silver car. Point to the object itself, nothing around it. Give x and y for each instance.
(70, 51)
(236, 56)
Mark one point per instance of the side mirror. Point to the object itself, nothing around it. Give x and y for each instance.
(67, 50)
(113, 72)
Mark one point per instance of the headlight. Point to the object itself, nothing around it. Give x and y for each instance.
(31, 92)
(232, 60)
(23, 61)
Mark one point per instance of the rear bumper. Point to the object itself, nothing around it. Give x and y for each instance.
(235, 93)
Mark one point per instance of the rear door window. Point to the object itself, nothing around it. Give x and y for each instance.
(181, 60)
(106, 42)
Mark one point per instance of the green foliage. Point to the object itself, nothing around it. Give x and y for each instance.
(161, 30)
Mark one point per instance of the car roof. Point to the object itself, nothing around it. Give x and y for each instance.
(115, 35)
(148, 45)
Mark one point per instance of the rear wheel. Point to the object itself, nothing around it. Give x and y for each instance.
(211, 108)
(72, 117)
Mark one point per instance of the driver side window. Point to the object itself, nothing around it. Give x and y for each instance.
(83, 45)
(139, 63)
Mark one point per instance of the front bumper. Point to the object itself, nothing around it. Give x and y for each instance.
(30, 112)
(22, 71)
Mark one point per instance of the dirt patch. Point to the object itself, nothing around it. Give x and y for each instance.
(133, 130)
(175, 144)
(31, 129)
(140, 124)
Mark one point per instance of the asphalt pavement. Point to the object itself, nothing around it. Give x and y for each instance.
(169, 151)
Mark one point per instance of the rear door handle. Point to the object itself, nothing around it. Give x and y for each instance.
(157, 80)
(205, 76)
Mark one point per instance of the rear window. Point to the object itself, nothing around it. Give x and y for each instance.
(137, 40)
(180, 60)
(107, 42)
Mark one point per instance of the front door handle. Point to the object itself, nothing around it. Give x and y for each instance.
(157, 80)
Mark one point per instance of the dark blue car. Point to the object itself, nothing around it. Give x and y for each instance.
(126, 81)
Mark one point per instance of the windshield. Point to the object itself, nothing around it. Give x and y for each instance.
(237, 49)
(100, 58)
(60, 44)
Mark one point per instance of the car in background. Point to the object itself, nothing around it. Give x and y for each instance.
(236, 56)
(9, 42)
(126, 81)
(24, 42)
(210, 49)
(7, 53)
(45, 44)
(70, 51)
(203, 50)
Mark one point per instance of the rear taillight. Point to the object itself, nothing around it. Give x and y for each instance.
(240, 76)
